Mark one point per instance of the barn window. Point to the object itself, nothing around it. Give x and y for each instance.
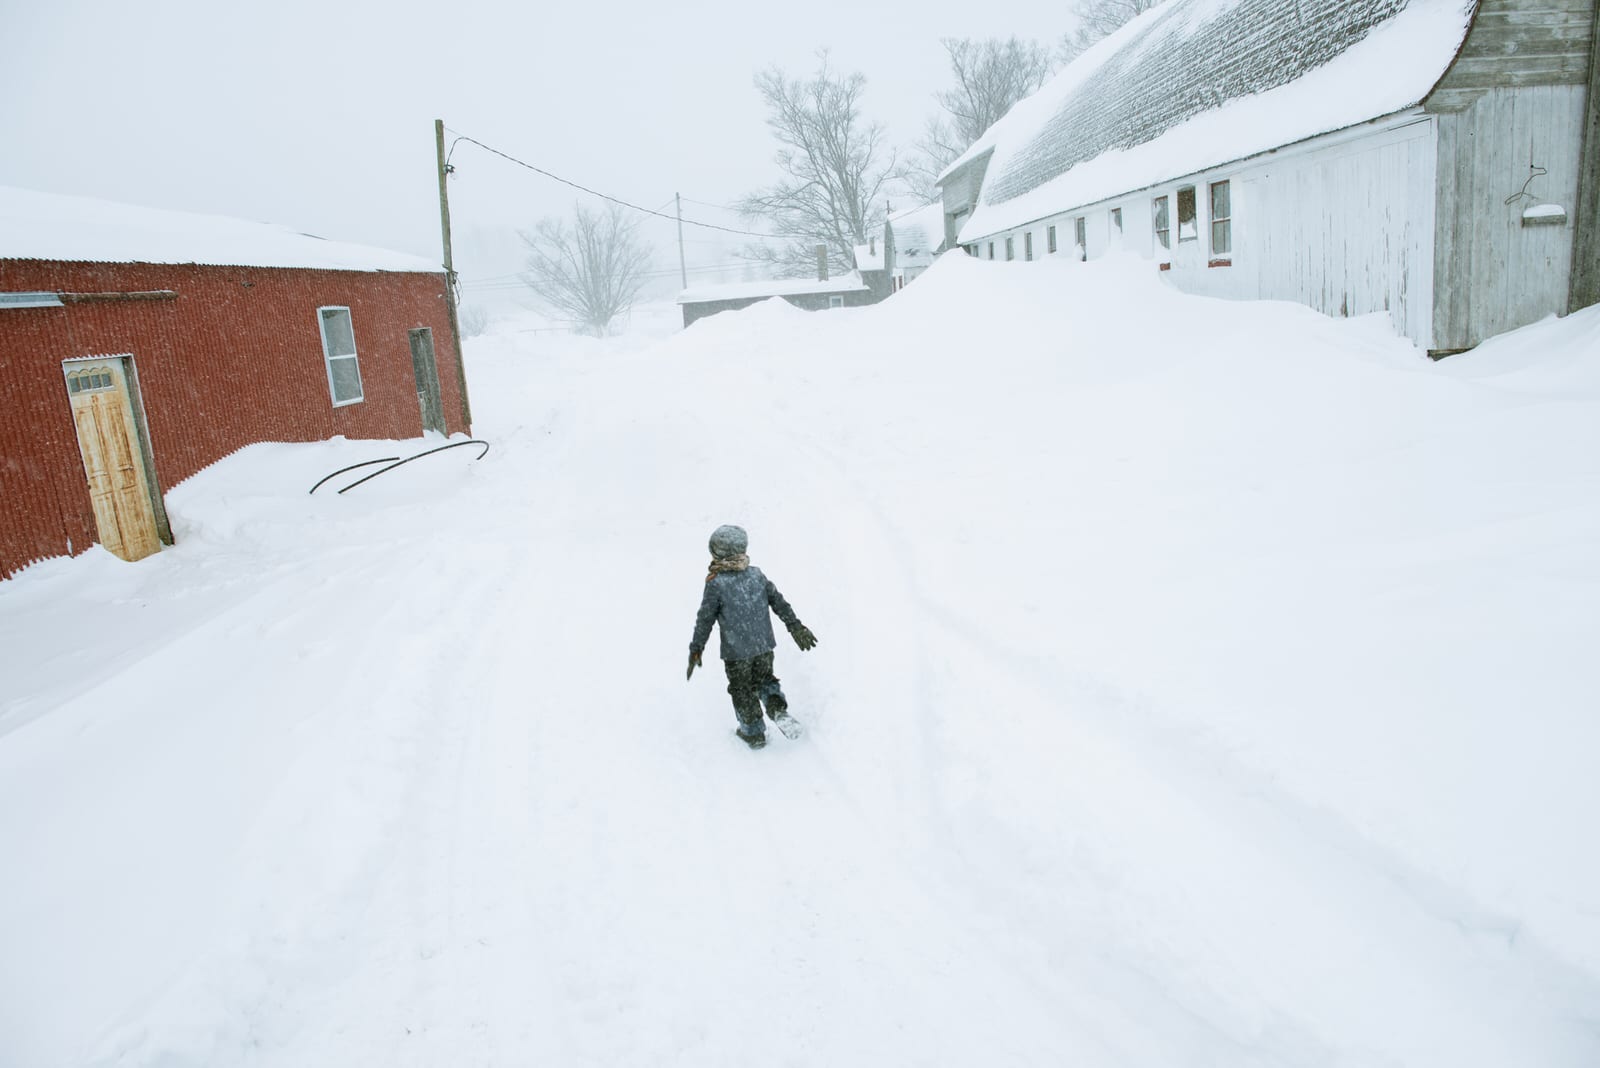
(1188, 227)
(90, 382)
(339, 352)
(1221, 220)
(835, 302)
(1163, 222)
(1011, 250)
(1080, 237)
(1027, 245)
(1116, 222)
(1050, 239)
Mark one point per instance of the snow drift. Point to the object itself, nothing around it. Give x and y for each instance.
(1200, 683)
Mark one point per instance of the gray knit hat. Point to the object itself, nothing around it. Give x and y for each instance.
(728, 541)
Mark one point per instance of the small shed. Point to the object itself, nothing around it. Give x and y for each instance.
(138, 346)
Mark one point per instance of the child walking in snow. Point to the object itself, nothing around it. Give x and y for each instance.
(737, 598)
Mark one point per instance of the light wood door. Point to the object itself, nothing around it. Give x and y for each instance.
(108, 437)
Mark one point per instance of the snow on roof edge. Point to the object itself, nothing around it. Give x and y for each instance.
(1317, 103)
(69, 229)
(1050, 96)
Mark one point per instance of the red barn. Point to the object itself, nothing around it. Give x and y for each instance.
(139, 346)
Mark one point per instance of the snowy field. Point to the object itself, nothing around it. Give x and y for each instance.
(1200, 683)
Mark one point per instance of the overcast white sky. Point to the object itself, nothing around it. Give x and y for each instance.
(320, 116)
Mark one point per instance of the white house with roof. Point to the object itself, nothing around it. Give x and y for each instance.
(917, 235)
(1434, 160)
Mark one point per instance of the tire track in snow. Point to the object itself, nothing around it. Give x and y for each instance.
(1507, 999)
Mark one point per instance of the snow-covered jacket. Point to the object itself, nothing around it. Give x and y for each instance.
(738, 602)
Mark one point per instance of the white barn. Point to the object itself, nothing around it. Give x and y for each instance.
(1437, 160)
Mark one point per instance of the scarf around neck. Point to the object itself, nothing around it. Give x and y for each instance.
(721, 564)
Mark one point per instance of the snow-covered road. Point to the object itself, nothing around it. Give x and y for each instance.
(1199, 684)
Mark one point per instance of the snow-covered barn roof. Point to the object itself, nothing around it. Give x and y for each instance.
(1192, 84)
(49, 226)
(918, 231)
(772, 287)
(869, 257)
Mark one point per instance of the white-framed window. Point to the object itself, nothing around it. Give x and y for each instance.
(1011, 248)
(1188, 222)
(1050, 239)
(1221, 221)
(836, 301)
(339, 353)
(1161, 220)
(1027, 245)
(991, 250)
(1116, 223)
(1080, 236)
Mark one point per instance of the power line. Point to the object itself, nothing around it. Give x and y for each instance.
(706, 204)
(595, 192)
(511, 283)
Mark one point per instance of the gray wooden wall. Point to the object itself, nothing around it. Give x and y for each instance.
(1514, 100)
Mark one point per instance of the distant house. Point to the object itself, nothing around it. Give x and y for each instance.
(875, 262)
(918, 237)
(851, 290)
(139, 346)
(1434, 160)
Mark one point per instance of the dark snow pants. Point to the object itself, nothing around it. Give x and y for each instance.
(749, 683)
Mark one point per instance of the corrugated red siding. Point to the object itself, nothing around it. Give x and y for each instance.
(234, 359)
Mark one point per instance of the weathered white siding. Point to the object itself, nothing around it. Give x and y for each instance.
(1494, 273)
(1347, 229)
(1342, 223)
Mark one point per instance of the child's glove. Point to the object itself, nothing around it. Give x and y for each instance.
(803, 637)
(694, 662)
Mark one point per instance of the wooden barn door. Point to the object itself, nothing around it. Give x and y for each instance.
(427, 375)
(125, 509)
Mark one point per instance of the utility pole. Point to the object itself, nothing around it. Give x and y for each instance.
(450, 271)
(683, 271)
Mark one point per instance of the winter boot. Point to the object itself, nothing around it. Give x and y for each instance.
(755, 740)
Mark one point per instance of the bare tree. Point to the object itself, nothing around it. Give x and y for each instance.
(590, 269)
(835, 164)
(473, 320)
(990, 77)
(1097, 19)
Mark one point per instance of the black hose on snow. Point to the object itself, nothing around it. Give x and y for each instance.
(418, 456)
(352, 467)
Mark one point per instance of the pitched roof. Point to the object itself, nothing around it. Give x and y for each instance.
(918, 231)
(869, 257)
(48, 226)
(1192, 84)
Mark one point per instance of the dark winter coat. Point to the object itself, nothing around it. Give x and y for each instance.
(738, 601)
